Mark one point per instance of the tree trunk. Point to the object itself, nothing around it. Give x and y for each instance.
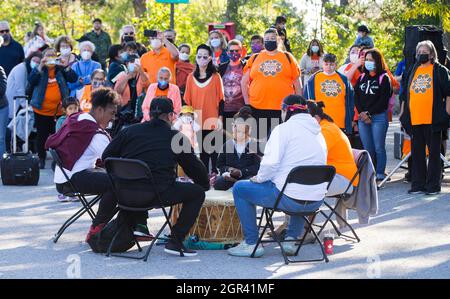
(231, 15)
(139, 7)
(343, 2)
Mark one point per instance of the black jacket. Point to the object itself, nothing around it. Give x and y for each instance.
(223, 67)
(372, 96)
(3, 100)
(441, 90)
(248, 163)
(151, 142)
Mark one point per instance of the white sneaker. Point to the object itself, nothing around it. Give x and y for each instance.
(63, 198)
(246, 250)
(289, 247)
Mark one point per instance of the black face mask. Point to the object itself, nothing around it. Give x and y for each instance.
(270, 45)
(423, 58)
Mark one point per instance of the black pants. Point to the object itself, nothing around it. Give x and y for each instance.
(423, 177)
(192, 197)
(211, 144)
(266, 121)
(45, 126)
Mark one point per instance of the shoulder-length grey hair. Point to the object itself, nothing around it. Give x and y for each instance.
(431, 47)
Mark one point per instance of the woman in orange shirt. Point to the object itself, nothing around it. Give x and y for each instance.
(98, 79)
(48, 85)
(204, 92)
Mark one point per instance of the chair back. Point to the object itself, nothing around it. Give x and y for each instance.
(58, 161)
(133, 184)
(311, 175)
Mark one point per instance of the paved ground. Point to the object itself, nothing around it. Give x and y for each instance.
(409, 238)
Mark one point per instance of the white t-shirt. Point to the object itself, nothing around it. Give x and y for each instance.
(87, 160)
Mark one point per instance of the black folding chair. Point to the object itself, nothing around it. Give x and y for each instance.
(304, 175)
(361, 161)
(135, 190)
(71, 190)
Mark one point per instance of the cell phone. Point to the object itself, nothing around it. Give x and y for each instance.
(150, 33)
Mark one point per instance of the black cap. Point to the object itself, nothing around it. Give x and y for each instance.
(363, 28)
(97, 20)
(161, 105)
(131, 57)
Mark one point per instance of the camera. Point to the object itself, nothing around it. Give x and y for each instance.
(150, 33)
(128, 38)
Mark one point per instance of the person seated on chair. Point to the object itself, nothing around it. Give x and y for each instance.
(285, 150)
(239, 159)
(80, 143)
(162, 148)
(340, 153)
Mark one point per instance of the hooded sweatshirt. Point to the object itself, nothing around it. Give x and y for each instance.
(287, 149)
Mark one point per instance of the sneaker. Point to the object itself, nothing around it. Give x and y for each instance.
(246, 250)
(94, 230)
(142, 234)
(63, 198)
(174, 247)
(416, 191)
(407, 178)
(289, 247)
(310, 239)
(432, 192)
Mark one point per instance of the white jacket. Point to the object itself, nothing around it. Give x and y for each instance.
(297, 142)
(15, 86)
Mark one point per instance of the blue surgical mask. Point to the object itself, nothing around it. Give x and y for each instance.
(124, 56)
(369, 65)
(131, 67)
(162, 84)
(33, 64)
(315, 49)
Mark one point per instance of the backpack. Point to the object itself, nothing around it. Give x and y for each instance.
(100, 242)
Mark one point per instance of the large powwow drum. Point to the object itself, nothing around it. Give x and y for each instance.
(217, 221)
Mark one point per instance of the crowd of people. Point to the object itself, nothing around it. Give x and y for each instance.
(244, 116)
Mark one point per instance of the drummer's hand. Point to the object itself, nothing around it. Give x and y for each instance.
(254, 179)
(236, 173)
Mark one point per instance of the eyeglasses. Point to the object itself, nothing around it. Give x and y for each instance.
(202, 57)
(4, 31)
(234, 51)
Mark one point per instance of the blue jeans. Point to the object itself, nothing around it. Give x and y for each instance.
(373, 137)
(3, 123)
(247, 195)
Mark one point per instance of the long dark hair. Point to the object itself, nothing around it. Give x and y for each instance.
(210, 69)
(316, 109)
(379, 62)
(296, 104)
(309, 52)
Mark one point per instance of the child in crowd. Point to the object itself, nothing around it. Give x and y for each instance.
(239, 159)
(70, 106)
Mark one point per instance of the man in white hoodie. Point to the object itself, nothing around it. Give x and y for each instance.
(298, 141)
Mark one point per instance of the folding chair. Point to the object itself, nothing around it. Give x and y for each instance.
(303, 175)
(72, 191)
(361, 161)
(135, 190)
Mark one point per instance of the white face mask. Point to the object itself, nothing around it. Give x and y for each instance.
(354, 58)
(215, 42)
(187, 119)
(131, 67)
(86, 55)
(184, 56)
(65, 51)
(155, 43)
(137, 61)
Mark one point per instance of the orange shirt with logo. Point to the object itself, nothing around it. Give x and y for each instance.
(271, 79)
(85, 101)
(421, 96)
(205, 99)
(331, 91)
(162, 93)
(52, 103)
(340, 153)
(151, 63)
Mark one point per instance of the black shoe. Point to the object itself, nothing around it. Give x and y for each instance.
(416, 191)
(407, 178)
(176, 248)
(142, 234)
(432, 192)
(42, 164)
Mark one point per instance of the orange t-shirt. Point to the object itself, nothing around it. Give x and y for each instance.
(151, 63)
(161, 93)
(355, 75)
(421, 96)
(331, 91)
(51, 104)
(85, 101)
(205, 99)
(340, 153)
(271, 79)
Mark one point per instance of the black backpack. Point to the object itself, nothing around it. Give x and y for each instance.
(124, 241)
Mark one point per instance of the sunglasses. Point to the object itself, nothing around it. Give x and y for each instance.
(4, 31)
(202, 57)
(128, 33)
(234, 51)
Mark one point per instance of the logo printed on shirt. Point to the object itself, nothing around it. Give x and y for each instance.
(270, 68)
(422, 83)
(331, 88)
(369, 86)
